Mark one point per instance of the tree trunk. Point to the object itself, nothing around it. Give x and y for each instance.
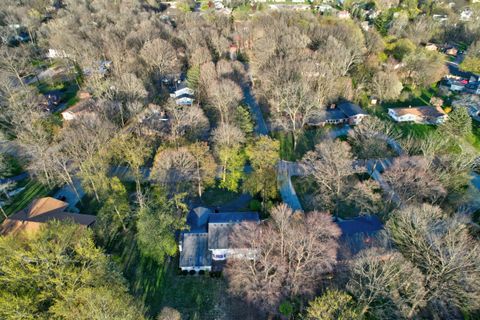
(121, 220)
(3, 212)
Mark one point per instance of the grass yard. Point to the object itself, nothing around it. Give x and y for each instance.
(415, 129)
(474, 138)
(144, 275)
(306, 142)
(196, 297)
(203, 297)
(305, 189)
(14, 167)
(216, 197)
(33, 190)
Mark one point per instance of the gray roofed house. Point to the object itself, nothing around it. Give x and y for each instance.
(194, 253)
(183, 95)
(197, 218)
(220, 227)
(208, 238)
(358, 234)
(344, 112)
(351, 109)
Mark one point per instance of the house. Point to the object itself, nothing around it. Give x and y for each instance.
(466, 14)
(345, 112)
(343, 14)
(451, 51)
(471, 102)
(358, 234)
(458, 85)
(425, 115)
(99, 67)
(206, 245)
(473, 87)
(151, 121)
(183, 95)
(220, 227)
(431, 47)
(84, 106)
(324, 8)
(54, 53)
(39, 212)
(440, 17)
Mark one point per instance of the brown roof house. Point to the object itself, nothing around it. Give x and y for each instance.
(40, 212)
(425, 115)
(85, 105)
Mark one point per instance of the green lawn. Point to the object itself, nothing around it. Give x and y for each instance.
(415, 129)
(216, 197)
(33, 190)
(203, 297)
(474, 138)
(157, 286)
(144, 275)
(14, 166)
(306, 142)
(196, 297)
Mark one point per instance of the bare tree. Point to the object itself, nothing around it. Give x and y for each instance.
(292, 252)
(386, 285)
(184, 120)
(160, 55)
(413, 179)
(224, 95)
(174, 169)
(331, 167)
(228, 142)
(227, 136)
(205, 166)
(83, 142)
(442, 248)
(370, 139)
(386, 85)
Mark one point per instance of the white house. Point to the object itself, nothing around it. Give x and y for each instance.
(54, 53)
(466, 14)
(183, 95)
(425, 115)
(456, 85)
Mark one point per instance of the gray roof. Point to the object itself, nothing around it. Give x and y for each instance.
(195, 251)
(221, 226)
(233, 217)
(327, 115)
(358, 234)
(198, 218)
(362, 224)
(350, 109)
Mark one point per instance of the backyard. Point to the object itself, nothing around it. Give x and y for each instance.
(158, 286)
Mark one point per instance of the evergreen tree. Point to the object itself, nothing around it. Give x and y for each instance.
(458, 123)
(333, 304)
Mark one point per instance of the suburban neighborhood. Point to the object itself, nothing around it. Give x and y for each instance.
(214, 159)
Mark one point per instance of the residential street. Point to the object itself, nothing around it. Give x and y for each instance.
(260, 124)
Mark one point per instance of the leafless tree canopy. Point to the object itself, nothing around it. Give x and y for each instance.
(414, 180)
(442, 248)
(292, 252)
(386, 285)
